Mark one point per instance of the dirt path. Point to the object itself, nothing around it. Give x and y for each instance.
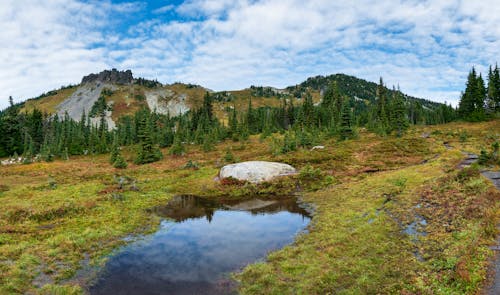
(494, 288)
(494, 177)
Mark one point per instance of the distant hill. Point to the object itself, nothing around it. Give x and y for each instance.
(350, 86)
(122, 94)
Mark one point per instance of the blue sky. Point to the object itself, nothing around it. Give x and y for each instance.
(427, 47)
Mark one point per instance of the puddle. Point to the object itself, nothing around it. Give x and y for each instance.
(199, 244)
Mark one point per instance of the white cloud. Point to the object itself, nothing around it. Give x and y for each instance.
(426, 47)
(164, 9)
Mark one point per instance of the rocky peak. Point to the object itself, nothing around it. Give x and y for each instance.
(114, 76)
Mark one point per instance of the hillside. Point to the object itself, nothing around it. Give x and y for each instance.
(352, 87)
(124, 96)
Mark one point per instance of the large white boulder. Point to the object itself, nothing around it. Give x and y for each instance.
(256, 171)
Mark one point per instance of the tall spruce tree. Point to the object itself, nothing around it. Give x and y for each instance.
(346, 123)
(399, 121)
(148, 151)
(471, 105)
(381, 116)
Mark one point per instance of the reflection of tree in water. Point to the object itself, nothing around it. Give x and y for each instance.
(184, 207)
(209, 213)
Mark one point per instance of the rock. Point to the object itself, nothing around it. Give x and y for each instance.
(256, 171)
(165, 101)
(83, 99)
(250, 205)
(318, 147)
(113, 77)
(425, 135)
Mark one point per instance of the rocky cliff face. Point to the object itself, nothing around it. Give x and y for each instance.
(113, 77)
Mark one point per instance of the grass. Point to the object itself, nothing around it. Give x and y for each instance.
(55, 215)
(48, 104)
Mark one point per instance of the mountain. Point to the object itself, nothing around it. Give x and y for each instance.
(352, 87)
(118, 93)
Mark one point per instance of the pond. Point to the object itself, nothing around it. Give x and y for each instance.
(199, 244)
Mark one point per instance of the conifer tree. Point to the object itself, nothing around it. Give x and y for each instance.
(493, 100)
(233, 125)
(472, 100)
(346, 123)
(399, 121)
(148, 151)
(381, 119)
(308, 111)
(120, 162)
(177, 148)
(115, 151)
(496, 76)
(491, 103)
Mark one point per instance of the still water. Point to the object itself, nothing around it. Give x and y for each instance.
(199, 243)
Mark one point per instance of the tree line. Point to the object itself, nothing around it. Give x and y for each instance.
(479, 102)
(39, 136)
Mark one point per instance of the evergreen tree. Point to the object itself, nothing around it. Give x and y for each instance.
(148, 151)
(308, 111)
(496, 77)
(233, 125)
(399, 121)
(381, 117)
(472, 100)
(493, 99)
(120, 162)
(346, 130)
(177, 148)
(491, 104)
(115, 151)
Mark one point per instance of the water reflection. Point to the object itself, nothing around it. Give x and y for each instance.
(208, 240)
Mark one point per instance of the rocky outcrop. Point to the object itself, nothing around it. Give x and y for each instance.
(113, 77)
(165, 101)
(256, 171)
(82, 100)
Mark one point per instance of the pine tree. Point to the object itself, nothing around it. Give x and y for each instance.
(148, 151)
(346, 130)
(480, 95)
(115, 151)
(233, 125)
(471, 103)
(28, 149)
(492, 91)
(332, 105)
(399, 121)
(495, 85)
(45, 152)
(308, 111)
(177, 148)
(120, 162)
(381, 119)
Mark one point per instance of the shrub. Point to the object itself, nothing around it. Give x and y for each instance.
(229, 157)
(120, 162)
(463, 136)
(309, 173)
(177, 148)
(490, 158)
(191, 165)
(231, 181)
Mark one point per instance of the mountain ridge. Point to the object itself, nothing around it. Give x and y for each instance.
(127, 94)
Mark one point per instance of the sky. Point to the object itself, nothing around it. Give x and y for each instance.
(425, 47)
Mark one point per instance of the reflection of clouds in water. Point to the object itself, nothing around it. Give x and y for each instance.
(198, 251)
